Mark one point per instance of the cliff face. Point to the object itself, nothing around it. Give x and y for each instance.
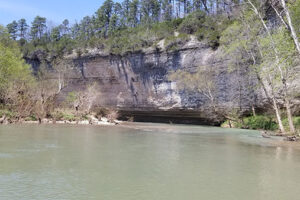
(138, 84)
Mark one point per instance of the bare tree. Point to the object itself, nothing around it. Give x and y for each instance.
(83, 101)
(62, 67)
(283, 76)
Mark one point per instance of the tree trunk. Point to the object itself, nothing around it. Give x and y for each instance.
(279, 15)
(253, 111)
(277, 111)
(204, 2)
(292, 30)
(296, 42)
(289, 115)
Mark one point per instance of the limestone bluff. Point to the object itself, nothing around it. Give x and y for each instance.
(137, 83)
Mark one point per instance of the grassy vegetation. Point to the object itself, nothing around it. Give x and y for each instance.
(254, 122)
(7, 113)
(64, 115)
(261, 122)
(296, 121)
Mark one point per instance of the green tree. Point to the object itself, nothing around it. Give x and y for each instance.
(16, 78)
(150, 11)
(104, 14)
(133, 13)
(155, 10)
(113, 24)
(86, 30)
(146, 11)
(13, 29)
(22, 27)
(126, 11)
(196, 4)
(38, 27)
(55, 34)
(167, 10)
(64, 27)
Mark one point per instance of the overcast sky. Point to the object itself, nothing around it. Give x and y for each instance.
(54, 10)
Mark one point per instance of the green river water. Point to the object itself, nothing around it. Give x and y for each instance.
(145, 162)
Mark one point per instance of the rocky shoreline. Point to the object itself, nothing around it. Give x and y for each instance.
(91, 121)
(103, 121)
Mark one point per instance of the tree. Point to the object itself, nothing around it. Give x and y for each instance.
(279, 65)
(269, 53)
(86, 30)
(155, 10)
(238, 50)
(64, 27)
(84, 100)
(202, 81)
(291, 26)
(167, 10)
(243, 48)
(22, 27)
(38, 27)
(146, 11)
(55, 34)
(13, 29)
(197, 4)
(113, 24)
(281, 80)
(125, 11)
(133, 13)
(104, 14)
(46, 92)
(204, 4)
(16, 79)
(61, 69)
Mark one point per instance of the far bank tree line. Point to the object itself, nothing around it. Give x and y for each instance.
(111, 21)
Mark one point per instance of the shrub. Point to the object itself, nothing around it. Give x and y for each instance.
(175, 23)
(69, 117)
(101, 112)
(64, 115)
(173, 42)
(253, 122)
(7, 113)
(192, 22)
(31, 118)
(112, 115)
(296, 121)
(260, 122)
(210, 35)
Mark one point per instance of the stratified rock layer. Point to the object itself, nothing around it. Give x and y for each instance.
(138, 85)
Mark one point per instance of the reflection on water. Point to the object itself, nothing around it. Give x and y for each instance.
(149, 161)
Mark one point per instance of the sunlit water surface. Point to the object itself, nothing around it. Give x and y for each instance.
(145, 162)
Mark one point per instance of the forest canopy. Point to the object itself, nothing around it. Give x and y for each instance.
(124, 27)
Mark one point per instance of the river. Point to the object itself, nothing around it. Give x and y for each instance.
(145, 162)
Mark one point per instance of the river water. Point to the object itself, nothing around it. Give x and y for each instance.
(145, 162)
